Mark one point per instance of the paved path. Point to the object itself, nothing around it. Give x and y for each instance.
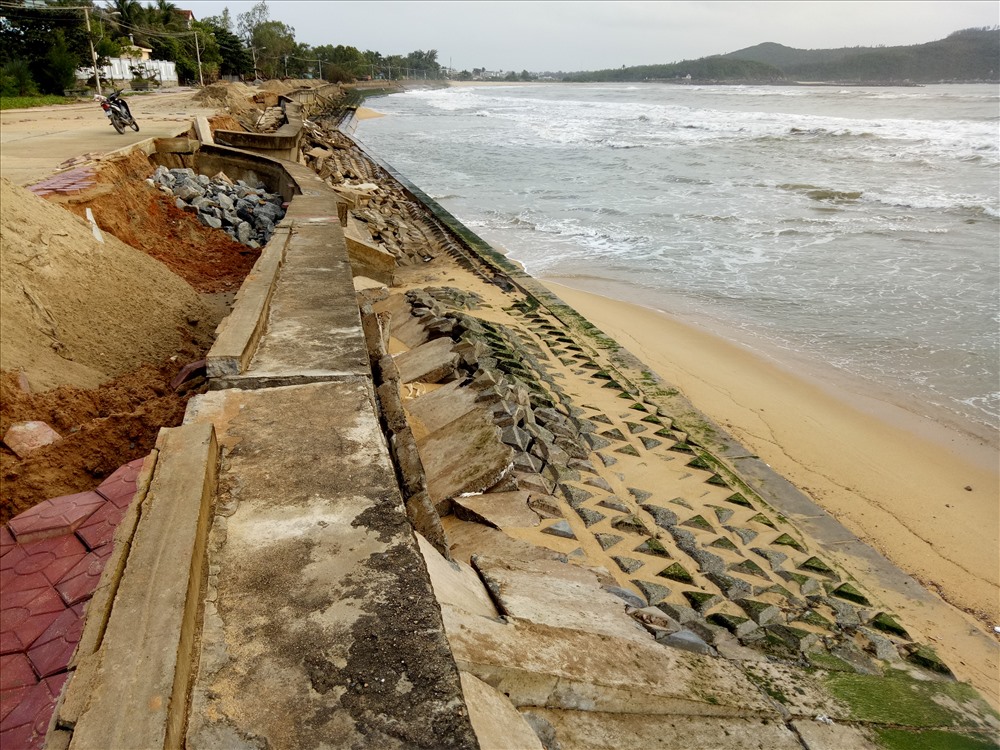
(35, 143)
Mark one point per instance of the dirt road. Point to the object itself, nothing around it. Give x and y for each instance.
(35, 142)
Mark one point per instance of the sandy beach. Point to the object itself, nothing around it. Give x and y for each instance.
(364, 113)
(922, 494)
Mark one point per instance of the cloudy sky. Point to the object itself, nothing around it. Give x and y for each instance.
(569, 36)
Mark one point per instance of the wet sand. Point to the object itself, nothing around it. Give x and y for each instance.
(896, 479)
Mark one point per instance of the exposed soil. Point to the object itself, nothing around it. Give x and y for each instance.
(149, 220)
(102, 428)
(100, 329)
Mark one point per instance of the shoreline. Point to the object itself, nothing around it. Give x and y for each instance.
(895, 479)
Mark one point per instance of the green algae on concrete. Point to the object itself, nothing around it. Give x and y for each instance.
(933, 739)
(898, 700)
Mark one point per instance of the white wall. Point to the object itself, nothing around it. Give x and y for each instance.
(118, 70)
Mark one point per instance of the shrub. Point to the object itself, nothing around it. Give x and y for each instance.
(16, 80)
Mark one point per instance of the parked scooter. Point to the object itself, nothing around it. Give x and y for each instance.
(117, 111)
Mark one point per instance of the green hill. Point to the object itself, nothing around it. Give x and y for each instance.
(967, 55)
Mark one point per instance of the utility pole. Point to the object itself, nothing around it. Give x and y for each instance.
(197, 53)
(93, 54)
(319, 62)
(286, 66)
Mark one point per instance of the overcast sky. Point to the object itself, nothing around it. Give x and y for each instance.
(569, 36)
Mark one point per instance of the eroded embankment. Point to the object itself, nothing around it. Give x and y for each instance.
(95, 331)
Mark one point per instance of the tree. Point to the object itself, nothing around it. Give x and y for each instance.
(351, 63)
(247, 23)
(59, 69)
(221, 21)
(234, 57)
(273, 40)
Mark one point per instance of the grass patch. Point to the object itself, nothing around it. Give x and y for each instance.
(27, 102)
(932, 739)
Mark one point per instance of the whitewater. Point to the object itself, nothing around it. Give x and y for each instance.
(855, 228)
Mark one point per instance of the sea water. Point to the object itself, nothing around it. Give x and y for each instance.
(855, 227)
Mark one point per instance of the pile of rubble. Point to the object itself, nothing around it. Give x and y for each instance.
(271, 119)
(247, 214)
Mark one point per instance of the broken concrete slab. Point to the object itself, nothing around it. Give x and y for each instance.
(464, 456)
(499, 509)
(540, 665)
(456, 583)
(366, 256)
(826, 735)
(496, 722)
(590, 730)
(468, 539)
(558, 594)
(402, 325)
(428, 363)
(432, 411)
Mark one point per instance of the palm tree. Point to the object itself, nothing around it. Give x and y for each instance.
(167, 14)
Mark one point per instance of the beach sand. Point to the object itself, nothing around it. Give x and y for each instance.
(364, 113)
(895, 479)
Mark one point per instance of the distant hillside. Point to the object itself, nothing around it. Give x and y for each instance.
(707, 68)
(785, 58)
(967, 55)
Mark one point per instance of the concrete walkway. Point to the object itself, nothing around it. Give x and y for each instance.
(299, 608)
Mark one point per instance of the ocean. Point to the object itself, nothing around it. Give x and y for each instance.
(856, 229)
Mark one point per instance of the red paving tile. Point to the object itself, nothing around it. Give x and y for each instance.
(19, 739)
(79, 583)
(16, 671)
(9, 700)
(99, 529)
(54, 648)
(14, 555)
(50, 518)
(27, 724)
(44, 567)
(119, 488)
(20, 626)
(51, 557)
(6, 541)
(11, 582)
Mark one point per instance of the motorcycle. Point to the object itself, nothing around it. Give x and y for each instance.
(118, 111)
